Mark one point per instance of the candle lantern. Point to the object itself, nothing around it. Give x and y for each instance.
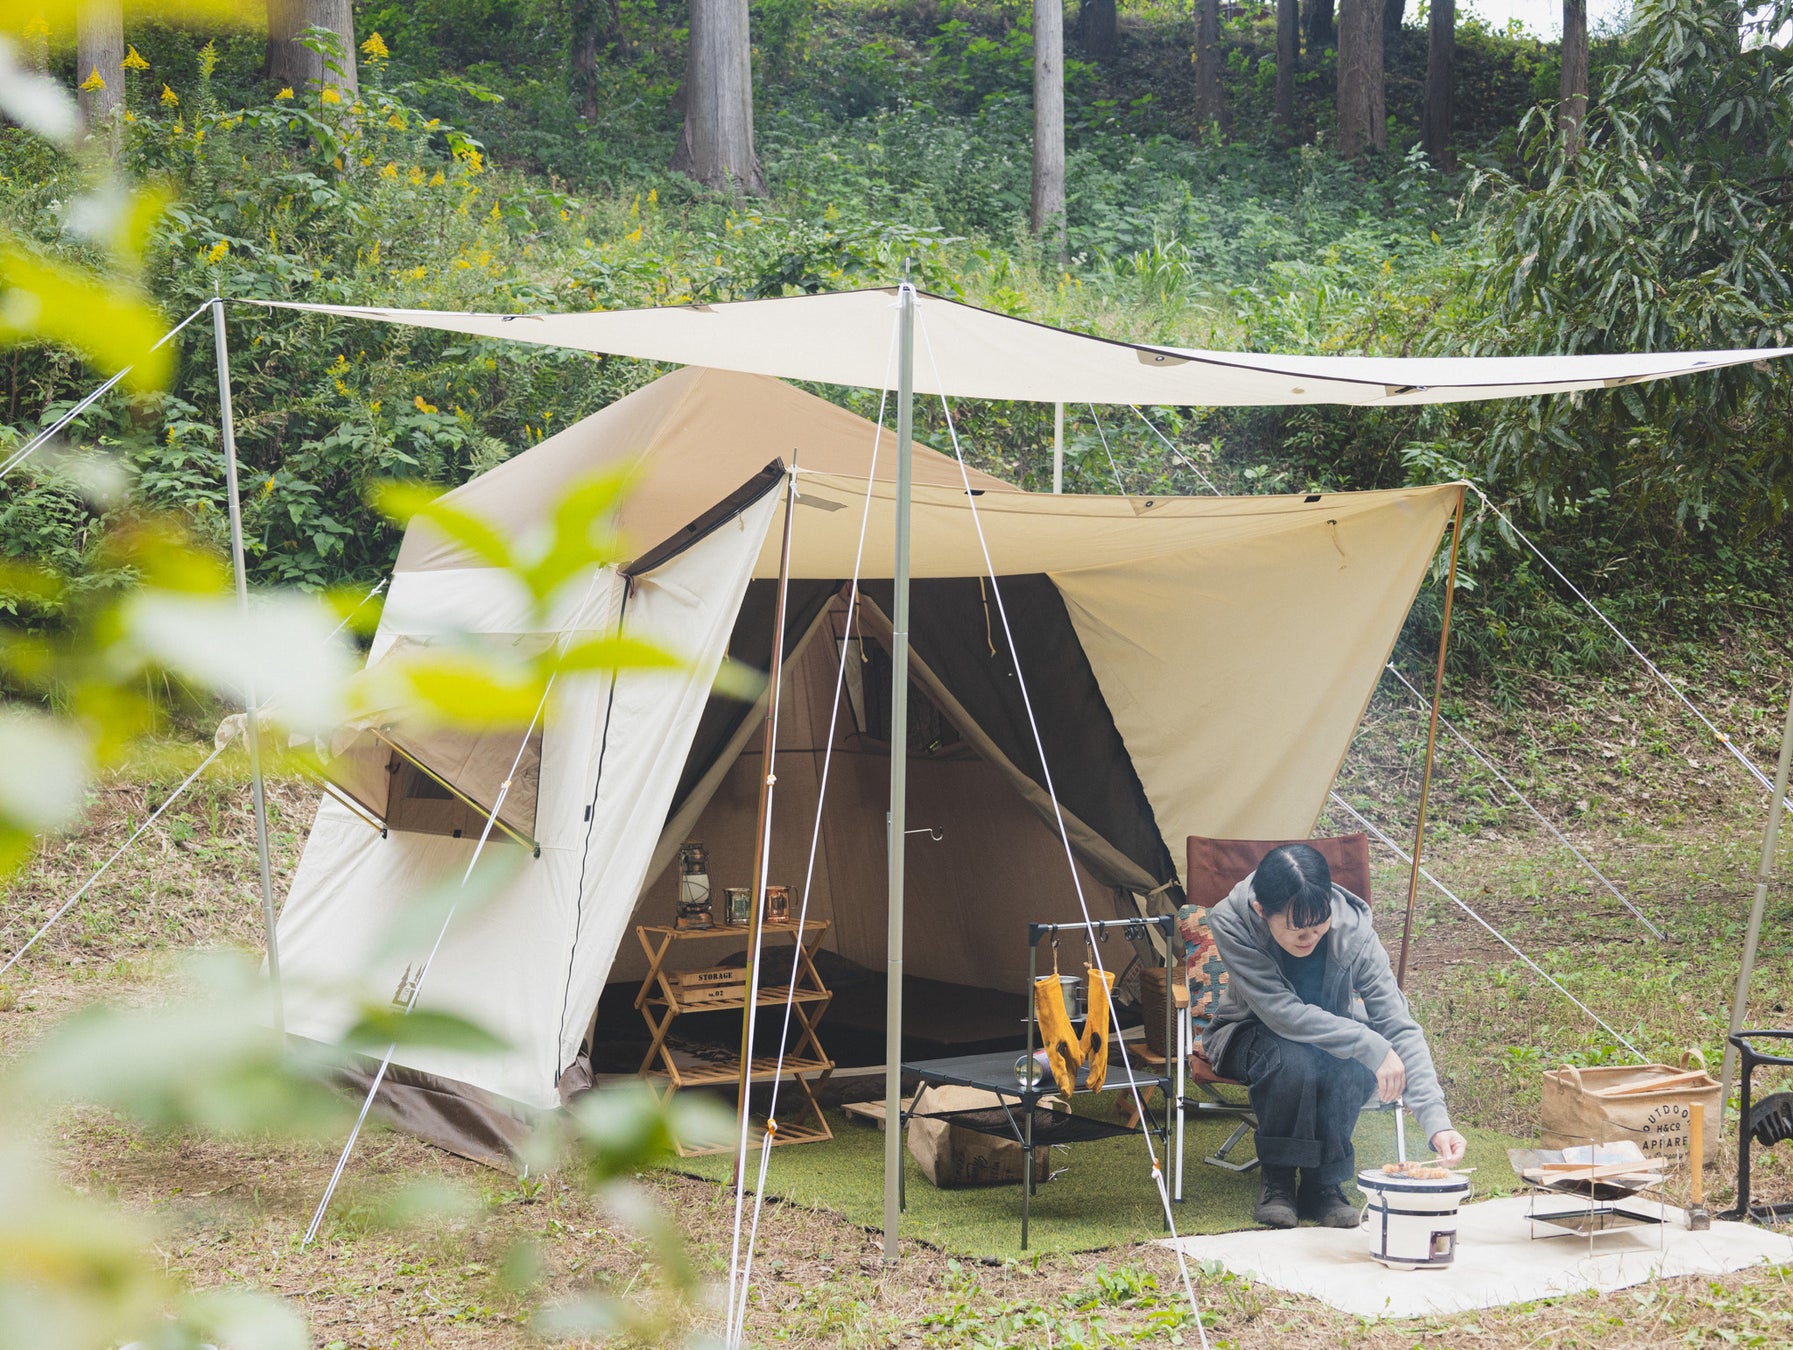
(694, 886)
(737, 906)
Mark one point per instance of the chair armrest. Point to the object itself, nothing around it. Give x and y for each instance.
(1179, 994)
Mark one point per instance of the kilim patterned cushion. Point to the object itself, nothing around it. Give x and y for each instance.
(1203, 971)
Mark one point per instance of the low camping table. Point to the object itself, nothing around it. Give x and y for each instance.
(1020, 1117)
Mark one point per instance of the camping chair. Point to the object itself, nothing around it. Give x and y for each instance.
(1215, 867)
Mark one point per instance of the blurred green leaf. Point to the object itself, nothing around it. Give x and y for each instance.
(382, 1025)
(617, 653)
(107, 321)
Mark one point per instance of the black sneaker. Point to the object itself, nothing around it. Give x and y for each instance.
(1276, 1202)
(1326, 1205)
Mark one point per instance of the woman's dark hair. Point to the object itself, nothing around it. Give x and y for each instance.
(1295, 879)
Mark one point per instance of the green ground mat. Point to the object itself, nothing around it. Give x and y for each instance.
(1102, 1194)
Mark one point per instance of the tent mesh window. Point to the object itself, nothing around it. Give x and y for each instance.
(420, 802)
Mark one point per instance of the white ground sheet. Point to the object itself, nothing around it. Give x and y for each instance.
(1497, 1260)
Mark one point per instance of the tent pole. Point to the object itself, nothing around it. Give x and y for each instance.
(228, 426)
(899, 775)
(1425, 782)
(761, 836)
(1764, 873)
(1058, 447)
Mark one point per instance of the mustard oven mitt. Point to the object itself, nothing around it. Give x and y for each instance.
(1064, 1052)
(1093, 1047)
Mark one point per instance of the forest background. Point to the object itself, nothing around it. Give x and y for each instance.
(514, 155)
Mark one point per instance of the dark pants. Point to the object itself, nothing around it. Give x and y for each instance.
(1306, 1101)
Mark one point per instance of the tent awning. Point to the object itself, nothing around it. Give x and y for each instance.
(846, 338)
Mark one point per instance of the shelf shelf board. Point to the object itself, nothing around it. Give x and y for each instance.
(764, 1070)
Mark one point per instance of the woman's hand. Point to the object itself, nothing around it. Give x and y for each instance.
(1391, 1078)
(1449, 1146)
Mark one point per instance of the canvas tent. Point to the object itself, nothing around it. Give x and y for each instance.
(1169, 646)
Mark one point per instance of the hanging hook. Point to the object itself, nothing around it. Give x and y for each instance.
(933, 832)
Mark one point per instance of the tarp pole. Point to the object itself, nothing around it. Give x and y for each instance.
(763, 832)
(228, 425)
(1764, 873)
(1058, 447)
(1425, 781)
(899, 775)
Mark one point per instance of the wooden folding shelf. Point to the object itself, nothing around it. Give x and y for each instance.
(670, 991)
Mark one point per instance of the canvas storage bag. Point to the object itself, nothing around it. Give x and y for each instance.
(1648, 1104)
(951, 1155)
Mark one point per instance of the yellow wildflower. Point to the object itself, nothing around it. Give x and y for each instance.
(374, 49)
(373, 254)
(357, 107)
(422, 406)
(129, 116)
(565, 215)
(415, 177)
(461, 264)
(366, 160)
(432, 124)
(170, 99)
(653, 196)
(436, 179)
(37, 27)
(494, 210)
(390, 171)
(396, 122)
(374, 407)
(273, 238)
(285, 93)
(635, 236)
(93, 81)
(133, 61)
(341, 388)
(330, 94)
(217, 251)
(418, 273)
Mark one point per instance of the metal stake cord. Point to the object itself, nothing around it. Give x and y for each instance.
(227, 422)
(897, 821)
(1764, 874)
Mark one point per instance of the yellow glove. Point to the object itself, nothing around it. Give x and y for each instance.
(1063, 1050)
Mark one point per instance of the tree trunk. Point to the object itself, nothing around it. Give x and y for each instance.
(1210, 102)
(1394, 13)
(1098, 28)
(1321, 31)
(1363, 115)
(716, 146)
(582, 17)
(292, 64)
(1441, 69)
(1049, 120)
(1574, 87)
(99, 54)
(1288, 57)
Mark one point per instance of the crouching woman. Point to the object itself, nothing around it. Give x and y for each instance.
(1298, 951)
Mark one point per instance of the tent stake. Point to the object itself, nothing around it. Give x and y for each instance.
(251, 726)
(1764, 874)
(762, 833)
(899, 775)
(1425, 782)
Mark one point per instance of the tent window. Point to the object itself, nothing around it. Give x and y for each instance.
(420, 802)
(870, 680)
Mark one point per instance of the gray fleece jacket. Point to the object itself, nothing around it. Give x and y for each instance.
(1258, 991)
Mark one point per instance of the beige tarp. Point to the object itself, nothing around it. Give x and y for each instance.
(847, 338)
